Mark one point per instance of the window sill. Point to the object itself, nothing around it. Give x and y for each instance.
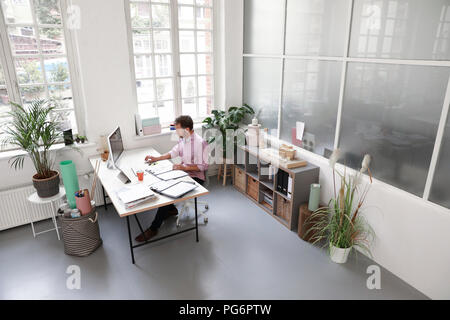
(56, 147)
(165, 132)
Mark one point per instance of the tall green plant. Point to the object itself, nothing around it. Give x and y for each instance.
(226, 120)
(341, 223)
(32, 130)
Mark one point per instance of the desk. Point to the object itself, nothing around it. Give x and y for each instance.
(135, 159)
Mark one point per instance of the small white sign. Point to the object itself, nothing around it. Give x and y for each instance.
(300, 126)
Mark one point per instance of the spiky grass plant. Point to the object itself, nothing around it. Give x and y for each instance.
(341, 224)
(32, 130)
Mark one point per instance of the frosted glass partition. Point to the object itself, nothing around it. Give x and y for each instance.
(401, 29)
(392, 112)
(440, 193)
(263, 26)
(311, 95)
(316, 27)
(262, 78)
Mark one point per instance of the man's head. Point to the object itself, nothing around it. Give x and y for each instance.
(184, 125)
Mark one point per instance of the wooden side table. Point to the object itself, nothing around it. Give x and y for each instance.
(34, 198)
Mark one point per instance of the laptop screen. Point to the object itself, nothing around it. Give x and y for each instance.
(116, 145)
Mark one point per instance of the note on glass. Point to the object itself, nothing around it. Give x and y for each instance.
(300, 126)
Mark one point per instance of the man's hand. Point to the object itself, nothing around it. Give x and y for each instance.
(178, 167)
(151, 159)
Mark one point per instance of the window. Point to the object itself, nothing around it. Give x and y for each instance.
(172, 43)
(35, 46)
(367, 76)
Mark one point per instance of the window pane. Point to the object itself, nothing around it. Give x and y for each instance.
(56, 70)
(164, 89)
(4, 102)
(392, 112)
(29, 94)
(2, 77)
(23, 40)
(413, 29)
(188, 87)
(140, 14)
(143, 66)
(205, 86)
(311, 95)
(186, 17)
(29, 70)
(187, 64)
(189, 107)
(166, 112)
(62, 94)
(142, 42)
(263, 26)
(64, 117)
(262, 79)
(439, 190)
(187, 43)
(204, 41)
(316, 27)
(145, 90)
(17, 11)
(47, 11)
(204, 2)
(204, 18)
(162, 41)
(205, 65)
(147, 110)
(52, 40)
(186, 1)
(163, 65)
(161, 18)
(204, 106)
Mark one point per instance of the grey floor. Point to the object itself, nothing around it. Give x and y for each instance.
(243, 253)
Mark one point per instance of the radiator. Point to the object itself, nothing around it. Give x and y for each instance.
(16, 210)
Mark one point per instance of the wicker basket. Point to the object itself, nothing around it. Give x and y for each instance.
(81, 236)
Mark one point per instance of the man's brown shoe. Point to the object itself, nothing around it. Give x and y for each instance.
(147, 235)
(173, 212)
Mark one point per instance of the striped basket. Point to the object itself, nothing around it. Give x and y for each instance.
(81, 236)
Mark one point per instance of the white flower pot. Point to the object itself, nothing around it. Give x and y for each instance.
(339, 255)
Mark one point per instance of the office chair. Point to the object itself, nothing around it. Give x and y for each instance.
(191, 204)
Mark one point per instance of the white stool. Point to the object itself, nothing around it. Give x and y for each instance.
(34, 198)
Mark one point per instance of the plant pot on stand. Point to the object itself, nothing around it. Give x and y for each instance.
(47, 187)
(339, 255)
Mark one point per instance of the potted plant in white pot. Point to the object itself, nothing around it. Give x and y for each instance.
(32, 130)
(341, 224)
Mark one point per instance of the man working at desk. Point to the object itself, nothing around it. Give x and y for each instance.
(194, 160)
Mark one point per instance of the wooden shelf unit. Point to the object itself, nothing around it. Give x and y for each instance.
(252, 176)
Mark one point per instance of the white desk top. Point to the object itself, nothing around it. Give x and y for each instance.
(136, 159)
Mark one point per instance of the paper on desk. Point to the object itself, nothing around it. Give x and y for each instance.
(300, 127)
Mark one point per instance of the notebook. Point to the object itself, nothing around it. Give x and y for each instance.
(174, 174)
(163, 185)
(179, 189)
(135, 193)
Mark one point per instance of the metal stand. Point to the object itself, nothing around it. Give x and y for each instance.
(54, 209)
(104, 199)
(132, 247)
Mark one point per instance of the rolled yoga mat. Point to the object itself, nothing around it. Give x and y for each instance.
(70, 180)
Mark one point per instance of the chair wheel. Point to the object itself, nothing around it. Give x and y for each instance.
(205, 220)
(178, 225)
(206, 207)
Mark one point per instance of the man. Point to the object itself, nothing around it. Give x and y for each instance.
(194, 160)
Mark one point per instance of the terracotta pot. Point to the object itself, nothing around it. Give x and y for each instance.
(48, 187)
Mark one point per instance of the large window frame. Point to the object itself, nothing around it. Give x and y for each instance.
(345, 59)
(175, 52)
(7, 57)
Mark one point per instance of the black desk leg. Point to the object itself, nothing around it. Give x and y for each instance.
(196, 220)
(129, 239)
(104, 198)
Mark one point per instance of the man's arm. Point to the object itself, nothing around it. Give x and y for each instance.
(186, 167)
(154, 159)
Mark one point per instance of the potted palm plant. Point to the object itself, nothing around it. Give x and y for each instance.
(341, 224)
(32, 130)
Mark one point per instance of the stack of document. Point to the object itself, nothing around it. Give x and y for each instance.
(133, 195)
(160, 167)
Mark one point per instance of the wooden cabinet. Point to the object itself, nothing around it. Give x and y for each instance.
(239, 178)
(283, 208)
(253, 188)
